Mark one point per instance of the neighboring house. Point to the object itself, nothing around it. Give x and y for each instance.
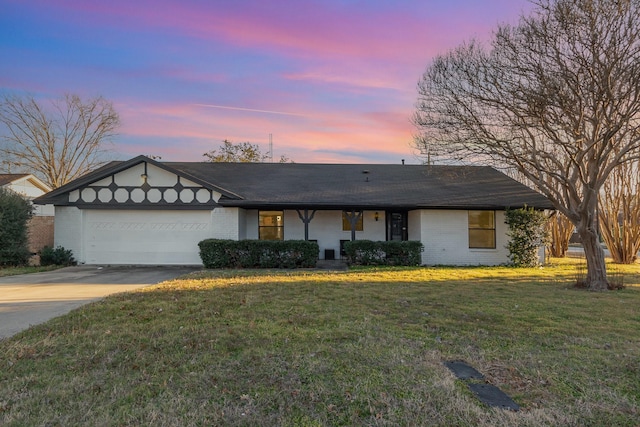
(142, 211)
(42, 223)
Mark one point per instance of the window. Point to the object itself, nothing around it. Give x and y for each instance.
(346, 224)
(482, 229)
(271, 225)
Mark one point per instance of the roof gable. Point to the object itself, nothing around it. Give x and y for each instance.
(137, 183)
(125, 170)
(23, 183)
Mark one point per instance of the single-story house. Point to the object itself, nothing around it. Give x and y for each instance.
(42, 223)
(142, 211)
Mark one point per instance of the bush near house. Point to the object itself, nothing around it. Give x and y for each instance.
(527, 232)
(221, 253)
(57, 256)
(15, 213)
(368, 252)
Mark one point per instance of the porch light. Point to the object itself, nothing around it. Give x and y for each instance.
(144, 177)
(375, 216)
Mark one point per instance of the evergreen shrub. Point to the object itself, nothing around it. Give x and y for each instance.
(221, 253)
(57, 256)
(527, 232)
(15, 213)
(368, 252)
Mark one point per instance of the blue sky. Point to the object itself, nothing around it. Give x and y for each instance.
(332, 81)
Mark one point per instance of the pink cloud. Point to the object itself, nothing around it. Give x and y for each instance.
(341, 44)
(308, 29)
(344, 79)
(311, 138)
(375, 80)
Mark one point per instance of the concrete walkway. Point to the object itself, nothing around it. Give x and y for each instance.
(30, 299)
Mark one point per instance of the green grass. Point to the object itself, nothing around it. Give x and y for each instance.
(12, 271)
(364, 347)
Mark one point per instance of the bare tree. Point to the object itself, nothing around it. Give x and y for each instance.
(242, 152)
(619, 213)
(560, 231)
(556, 97)
(57, 142)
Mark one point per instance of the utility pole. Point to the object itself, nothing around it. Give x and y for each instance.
(271, 147)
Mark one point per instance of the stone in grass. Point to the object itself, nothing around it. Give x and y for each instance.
(492, 396)
(463, 371)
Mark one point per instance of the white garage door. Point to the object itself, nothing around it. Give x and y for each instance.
(144, 237)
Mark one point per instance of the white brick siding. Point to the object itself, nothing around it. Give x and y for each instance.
(445, 235)
(227, 223)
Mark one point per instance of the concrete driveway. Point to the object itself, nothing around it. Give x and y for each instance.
(30, 299)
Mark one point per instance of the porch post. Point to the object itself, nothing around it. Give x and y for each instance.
(353, 218)
(306, 219)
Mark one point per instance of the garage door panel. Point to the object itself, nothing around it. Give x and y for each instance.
(144, 237)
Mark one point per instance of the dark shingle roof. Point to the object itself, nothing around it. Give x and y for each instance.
(359, 185)
(378, 186)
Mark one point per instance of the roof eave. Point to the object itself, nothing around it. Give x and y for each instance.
(373, 206)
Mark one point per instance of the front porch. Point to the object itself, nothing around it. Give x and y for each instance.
(329, 228)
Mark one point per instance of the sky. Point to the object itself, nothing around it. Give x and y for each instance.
(329, 81)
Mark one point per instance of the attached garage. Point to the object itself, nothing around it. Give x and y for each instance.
(143, 237)
(137, 213)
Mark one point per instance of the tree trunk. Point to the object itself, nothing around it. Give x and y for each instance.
(561, 229)
(596, 279)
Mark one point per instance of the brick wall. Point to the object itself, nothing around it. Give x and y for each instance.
(40, 232)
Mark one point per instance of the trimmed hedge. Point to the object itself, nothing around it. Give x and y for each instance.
(368, 252)
(219, 253)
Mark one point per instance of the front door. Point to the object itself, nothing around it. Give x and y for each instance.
(397, 226)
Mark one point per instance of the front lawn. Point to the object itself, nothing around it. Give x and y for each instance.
(306, 348)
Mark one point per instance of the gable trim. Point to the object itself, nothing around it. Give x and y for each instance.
(57, 196)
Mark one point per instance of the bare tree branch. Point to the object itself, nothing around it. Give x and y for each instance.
(58, 143)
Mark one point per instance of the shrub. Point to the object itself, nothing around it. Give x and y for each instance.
(220, 253)
(15, 213)
(57, 256)
(367, 252)
(527, 232)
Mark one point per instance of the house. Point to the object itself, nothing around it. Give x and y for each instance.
(42, 223)
(142, 211)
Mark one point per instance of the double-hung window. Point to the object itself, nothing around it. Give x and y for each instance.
(271, 225)
(482, 229)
